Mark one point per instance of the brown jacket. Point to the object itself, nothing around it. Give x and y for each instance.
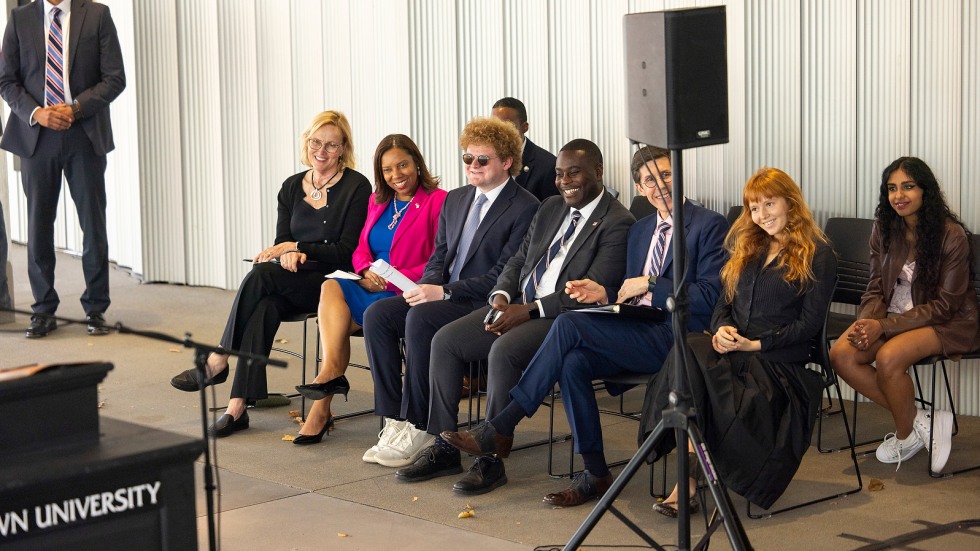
(952, 313)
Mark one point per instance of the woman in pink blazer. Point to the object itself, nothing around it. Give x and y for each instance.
(402, 219)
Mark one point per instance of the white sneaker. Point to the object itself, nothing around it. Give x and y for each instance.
(391, 428)
(893, 450)
(941, 436)
(405, 447)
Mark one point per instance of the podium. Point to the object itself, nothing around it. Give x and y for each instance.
(71, 480)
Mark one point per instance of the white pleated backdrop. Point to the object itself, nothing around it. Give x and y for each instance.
(829, 90)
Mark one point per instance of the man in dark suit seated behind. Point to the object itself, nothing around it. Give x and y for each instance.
(536, 171)
(583, 347)
(581, 234)
(481, 226)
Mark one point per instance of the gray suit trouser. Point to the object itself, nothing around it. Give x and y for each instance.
(464, 341)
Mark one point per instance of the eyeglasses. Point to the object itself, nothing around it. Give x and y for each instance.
(316, 144)
(651, 182)
(484, 160)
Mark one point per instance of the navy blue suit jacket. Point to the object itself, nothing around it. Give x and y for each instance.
(537, 174)
(96, 75)
(705, 232)
(497, 238)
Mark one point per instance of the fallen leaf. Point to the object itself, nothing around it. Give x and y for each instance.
(284, 341)
(468, 506)
(465, 514)
(288, 437)
(415, 498)
(876, 485)
(342, 535)
(294, 413)
(298, 420)
(175, 350)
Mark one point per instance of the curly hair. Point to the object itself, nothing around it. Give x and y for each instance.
(930, 221)
(505, 140)
(382, 191)
(322, 119)
(746, 241)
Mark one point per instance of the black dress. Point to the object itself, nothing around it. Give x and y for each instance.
(756, 410)
(269, 293)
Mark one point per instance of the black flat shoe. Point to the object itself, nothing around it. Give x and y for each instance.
(226, 424)
(304, 439)
(40, 327)
(319, 391)
(669, 508)
(188, 380)
(96, 324)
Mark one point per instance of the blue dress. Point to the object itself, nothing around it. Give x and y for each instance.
(379, 240)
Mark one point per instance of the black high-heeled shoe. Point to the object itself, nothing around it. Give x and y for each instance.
(319, 391)
(304, 439)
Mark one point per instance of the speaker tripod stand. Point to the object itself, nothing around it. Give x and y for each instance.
(680, 417)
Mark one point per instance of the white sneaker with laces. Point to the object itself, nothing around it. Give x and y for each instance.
(893, 450)
(405, 447)
(942, 435)
(390, 430)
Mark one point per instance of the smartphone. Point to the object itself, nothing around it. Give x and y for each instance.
(492, 316)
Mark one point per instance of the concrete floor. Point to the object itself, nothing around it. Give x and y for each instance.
(275, 495)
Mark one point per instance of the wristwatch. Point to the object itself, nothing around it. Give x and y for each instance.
(76, 110)
(447, 294)
(533, 311)
(651, 284)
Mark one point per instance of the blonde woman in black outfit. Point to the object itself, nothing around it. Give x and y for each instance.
(756, 400)
(321, 213)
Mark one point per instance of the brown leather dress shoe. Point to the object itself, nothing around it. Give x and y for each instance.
(482, 439)
(584, 488)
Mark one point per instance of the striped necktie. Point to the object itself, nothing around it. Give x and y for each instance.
(54, 84)
(545, 261)
(657, 259)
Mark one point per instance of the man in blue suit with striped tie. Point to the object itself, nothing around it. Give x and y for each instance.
(61, 66)
(581, 348)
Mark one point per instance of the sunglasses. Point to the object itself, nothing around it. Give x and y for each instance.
(483, 160)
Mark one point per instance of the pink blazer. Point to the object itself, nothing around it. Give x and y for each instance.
(414, 239)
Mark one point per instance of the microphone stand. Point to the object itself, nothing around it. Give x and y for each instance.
(201, 352)
(681, 417)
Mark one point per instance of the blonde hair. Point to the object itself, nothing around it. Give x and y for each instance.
(337, 119)
(746, 240)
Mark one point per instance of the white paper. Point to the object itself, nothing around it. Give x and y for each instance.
(340, 274)
(393, 276)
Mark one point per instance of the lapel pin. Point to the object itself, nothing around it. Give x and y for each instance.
(526, 168)
(596, 223)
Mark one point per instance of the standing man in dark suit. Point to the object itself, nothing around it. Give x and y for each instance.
(536, 173)
(481, 226)
(579, 235)
(60, 68)
(581, 348)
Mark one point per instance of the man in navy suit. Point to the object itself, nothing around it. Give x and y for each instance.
(536, 173)
(480, 227)
(581, 348)
(61, 66)
(581, 234)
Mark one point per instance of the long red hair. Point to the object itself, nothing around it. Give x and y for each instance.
(746, 240)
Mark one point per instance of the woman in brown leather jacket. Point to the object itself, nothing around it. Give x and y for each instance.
(919, 302)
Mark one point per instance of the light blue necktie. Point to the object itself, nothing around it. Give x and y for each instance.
(466, 238)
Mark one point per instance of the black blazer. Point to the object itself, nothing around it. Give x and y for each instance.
(96, 75)
(497, 238)
(598, 253)
(537, 174)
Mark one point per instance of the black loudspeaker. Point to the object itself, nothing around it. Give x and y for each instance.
(677, 77)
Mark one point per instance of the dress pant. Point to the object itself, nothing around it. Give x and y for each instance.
(387, 321)
(581, 348)
(69, 152)
(268, 294)
(464, 341)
